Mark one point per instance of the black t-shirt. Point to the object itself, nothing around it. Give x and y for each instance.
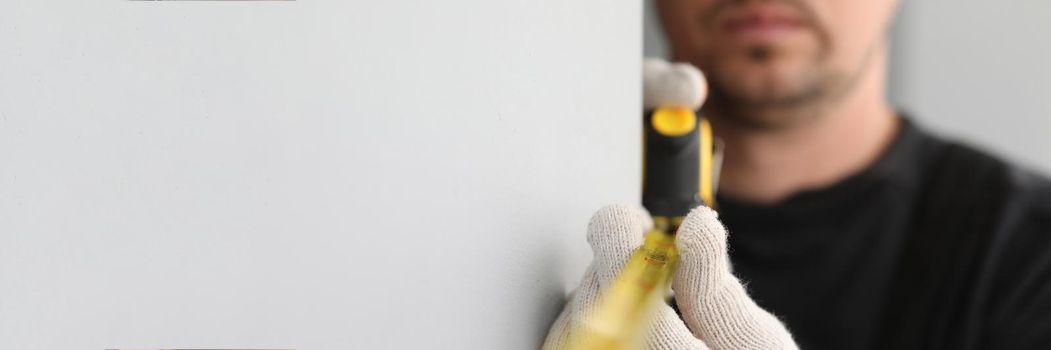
(825, 261)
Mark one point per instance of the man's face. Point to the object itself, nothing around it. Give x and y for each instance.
(769, 55)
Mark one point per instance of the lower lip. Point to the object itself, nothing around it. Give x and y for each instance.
(763, 31)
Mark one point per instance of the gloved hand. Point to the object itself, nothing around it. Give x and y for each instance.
(714, 304)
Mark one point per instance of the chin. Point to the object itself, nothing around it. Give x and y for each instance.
(774, 93)
(761, 72)
(763, 82)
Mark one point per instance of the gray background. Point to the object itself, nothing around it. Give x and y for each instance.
(968, 69)
(309, 175)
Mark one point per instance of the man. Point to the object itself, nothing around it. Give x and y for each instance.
(847, 222)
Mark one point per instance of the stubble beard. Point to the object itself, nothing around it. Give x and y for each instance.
(775, 104)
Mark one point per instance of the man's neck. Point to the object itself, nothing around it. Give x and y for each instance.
(768, 166)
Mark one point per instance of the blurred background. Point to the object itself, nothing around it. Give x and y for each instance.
(968, 69)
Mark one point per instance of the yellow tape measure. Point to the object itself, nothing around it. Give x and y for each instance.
(624, 309)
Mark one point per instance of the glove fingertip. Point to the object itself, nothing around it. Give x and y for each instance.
(620, 222)
(700, 222)
(702, 237)
(614, 233)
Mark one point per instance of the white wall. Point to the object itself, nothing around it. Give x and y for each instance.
(309, 175)
(972, 70)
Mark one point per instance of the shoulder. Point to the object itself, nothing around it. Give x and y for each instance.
(961, 167)
(960, 182)
(1034, 189)
(1026, 218)
(1005, 210)
(1015, 273)
(1026, 194)
(1022, 196)
(1019, 265)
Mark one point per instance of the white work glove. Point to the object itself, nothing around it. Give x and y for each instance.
(667, 84)
(713, 302)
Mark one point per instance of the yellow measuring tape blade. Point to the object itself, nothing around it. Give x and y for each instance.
(707, 192)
